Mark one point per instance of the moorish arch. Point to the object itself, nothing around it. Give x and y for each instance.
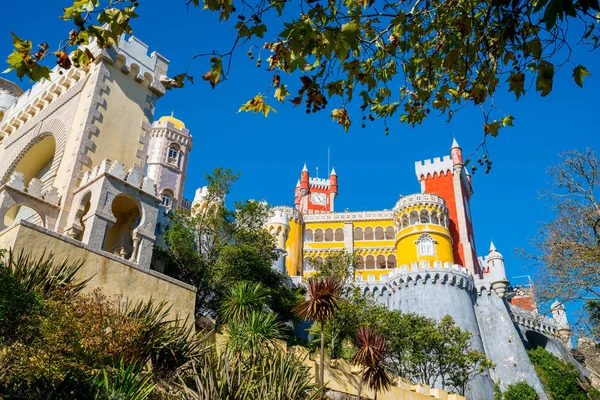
(37, 154)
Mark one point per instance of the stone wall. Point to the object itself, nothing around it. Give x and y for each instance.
(113, 275)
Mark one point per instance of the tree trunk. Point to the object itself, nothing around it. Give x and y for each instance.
(360, 383)
(322, 371)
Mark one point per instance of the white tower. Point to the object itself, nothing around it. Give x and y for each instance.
(278, 225)
(168, 150)
(559, 315)
(495, 263)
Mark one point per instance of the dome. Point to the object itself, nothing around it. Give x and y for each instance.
(176, 122)
(9, 92)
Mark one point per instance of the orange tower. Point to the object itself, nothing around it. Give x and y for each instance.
(448, 178)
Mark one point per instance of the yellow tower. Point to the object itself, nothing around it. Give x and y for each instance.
(294, 243)
(423, 235)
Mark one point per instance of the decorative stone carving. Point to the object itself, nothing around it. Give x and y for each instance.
(16, 181)
(148, 186)
(134, 177)
(117, 169)
(85, 179)
(51, 195)
(105, 166)
(35, 188)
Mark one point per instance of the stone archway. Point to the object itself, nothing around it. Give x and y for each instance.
(120, 236)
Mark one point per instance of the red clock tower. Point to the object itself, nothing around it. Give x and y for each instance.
(316, 195)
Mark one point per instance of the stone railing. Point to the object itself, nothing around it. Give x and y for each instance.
(419, 199)
(350, 216)
(534, 321)
(117, 169)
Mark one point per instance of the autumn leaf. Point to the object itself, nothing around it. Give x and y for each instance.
(578, 73)
(341, 117)
(281, 93)
(214, 75)
(257, 104)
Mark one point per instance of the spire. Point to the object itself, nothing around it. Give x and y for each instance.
(298, 184)
(492, 247)
(304, 169)
(454, 144)
(333, 171)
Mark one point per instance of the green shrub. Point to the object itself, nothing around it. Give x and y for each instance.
(560, 379)
(520, 391)
(16, 304)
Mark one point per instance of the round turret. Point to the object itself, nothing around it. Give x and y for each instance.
(422, 234)
(278, 225)
(9, 93)
(495, 265)
(201, 200)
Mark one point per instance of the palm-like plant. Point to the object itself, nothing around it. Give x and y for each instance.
(259, 333)
(242, 299)
(371, 352)
(125, 383)
(323, 296)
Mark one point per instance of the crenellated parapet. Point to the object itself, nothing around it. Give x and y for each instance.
(426, 273)
(116, 169)
(431, 168)
(293, 214)
(350, 216)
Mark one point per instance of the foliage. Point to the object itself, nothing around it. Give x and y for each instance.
(520, 391)
(435, 353)
(259, 332)
(567, 247)
(339, 265)
(276, 376)
(242, 299)
(371, 354)
(16, 303)
(320, 306)
(402, 59)
(126, 383)
(561, 379)
(214, 248)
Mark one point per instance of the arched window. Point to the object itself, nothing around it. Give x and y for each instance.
(318, 235)
(434, 218)
(360, 262)
(370, 262)
(414, 217)
(443, 220)
(391, 261)
(424, 219)
(390, 234)
(405, 222)
(381, 264)
(308, 235)
(369, 233)
(358, 233)
(379, 234)
(339, 235)
(167, 199)
(329, 235)
(426, 245)
(173, 152)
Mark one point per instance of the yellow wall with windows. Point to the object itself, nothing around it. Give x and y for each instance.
(293, 261)
(406, 247)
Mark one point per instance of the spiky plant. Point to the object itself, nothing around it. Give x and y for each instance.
(124, 383)
(371, 353)
(257, 334)
(45, 274)
(242, 299)
(323, 296)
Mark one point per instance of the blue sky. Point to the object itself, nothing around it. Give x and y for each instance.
(373, 169)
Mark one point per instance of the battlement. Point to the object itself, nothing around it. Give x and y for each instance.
(169, 126)
(419, 199)
(292, 213)
(429, 168)
(278, 216)
(116, 169)
(319, 183)
(350, 216)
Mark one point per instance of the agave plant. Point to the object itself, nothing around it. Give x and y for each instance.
(323, 296)
(370, 355)
(242, 299)
(45, 274)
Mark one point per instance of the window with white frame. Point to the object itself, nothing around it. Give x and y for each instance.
(426, 245)
(167, 200)
(173, 153)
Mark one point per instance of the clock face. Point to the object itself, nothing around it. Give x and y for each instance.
(318, 198)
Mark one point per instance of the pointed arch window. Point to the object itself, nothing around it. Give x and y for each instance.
(426, 245)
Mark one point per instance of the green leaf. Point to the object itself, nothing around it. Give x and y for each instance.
(516, 83)
(578, 73)
(507, 121)
(545, 78)
(341, 117)
(214, 75)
